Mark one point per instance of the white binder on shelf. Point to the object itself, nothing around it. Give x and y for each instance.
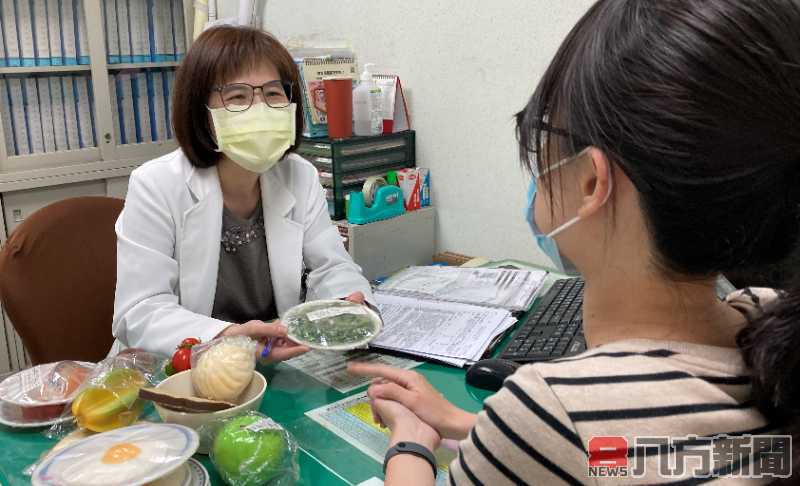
(85, 115)
(25, 33)
(3, 57)
(18, 115)
(151, 109)
(161, 24)
(69, 51)
(5, 118)
(169, 77)
(158, 107)
(147, 30)
(112, 32)
(59, 118)
(124, 26)
(82, 34)
(125, 92)
(31, 97)
(46, 111)
(141, 108)
(92, 109)
(145, 53)
(70, 112)
(10, 36)
(41, 34)
(179, 28)
(166, 87)
(151, 19)
(54, 32)
(140, 37)
(119, 92)
(115, 106)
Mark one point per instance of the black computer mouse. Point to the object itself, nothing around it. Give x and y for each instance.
(490, 373)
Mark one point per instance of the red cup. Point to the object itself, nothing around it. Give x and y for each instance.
(339, 105)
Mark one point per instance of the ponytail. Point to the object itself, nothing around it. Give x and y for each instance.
(770, 347)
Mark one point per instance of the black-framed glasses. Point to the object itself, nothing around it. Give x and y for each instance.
(547, 128)
(238, 97)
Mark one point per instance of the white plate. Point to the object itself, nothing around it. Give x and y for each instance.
(163, 448)
(198, 474)
(290, 316)
(10, 386)
(7, 420)
(192, 472)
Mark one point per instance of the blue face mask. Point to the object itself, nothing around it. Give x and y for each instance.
(546, 241)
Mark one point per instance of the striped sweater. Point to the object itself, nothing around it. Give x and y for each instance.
(537, 428)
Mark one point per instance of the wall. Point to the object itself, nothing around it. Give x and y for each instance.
(468, 66)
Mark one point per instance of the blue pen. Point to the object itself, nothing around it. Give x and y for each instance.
(267, 348)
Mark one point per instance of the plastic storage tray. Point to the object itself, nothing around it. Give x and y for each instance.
(344, 164)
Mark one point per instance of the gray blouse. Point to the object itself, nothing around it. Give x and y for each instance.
(244, 288)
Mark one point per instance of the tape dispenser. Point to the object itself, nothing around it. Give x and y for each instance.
(375, 202)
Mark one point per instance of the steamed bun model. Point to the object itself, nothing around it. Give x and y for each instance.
(224, 368)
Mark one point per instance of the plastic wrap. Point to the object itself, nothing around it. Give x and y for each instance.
(336, 325)
(41, 394)
(181, 385)
(109, 398)
(251, 450)
(131, 455)
(223, 368)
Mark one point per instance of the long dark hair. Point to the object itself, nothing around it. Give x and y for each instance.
(698, 102)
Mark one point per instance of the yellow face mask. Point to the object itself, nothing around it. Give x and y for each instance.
(256, 138)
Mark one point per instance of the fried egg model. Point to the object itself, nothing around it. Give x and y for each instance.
(224, 370)
(133, 455)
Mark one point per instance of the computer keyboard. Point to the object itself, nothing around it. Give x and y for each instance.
(554, 329)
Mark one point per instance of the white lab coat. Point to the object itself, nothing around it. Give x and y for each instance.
(168, 244)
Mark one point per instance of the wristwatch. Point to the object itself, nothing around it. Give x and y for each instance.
(410, 448)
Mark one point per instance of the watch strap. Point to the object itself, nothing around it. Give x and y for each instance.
(410, 448)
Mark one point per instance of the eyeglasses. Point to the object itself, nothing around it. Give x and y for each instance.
(546, 130)
(238, 97)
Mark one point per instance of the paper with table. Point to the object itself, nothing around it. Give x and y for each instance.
(351, 419)
(505, 288)
(452, 333)
(450, 314)
(330, 367)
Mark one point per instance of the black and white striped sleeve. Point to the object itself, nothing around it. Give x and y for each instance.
(523, 436)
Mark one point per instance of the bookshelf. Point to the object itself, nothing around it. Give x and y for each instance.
(44, 69)
(139, 65)
(100, 163)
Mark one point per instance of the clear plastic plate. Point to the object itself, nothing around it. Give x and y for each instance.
(40, 396)
(10, 416)
(18, 388)
(334, 325)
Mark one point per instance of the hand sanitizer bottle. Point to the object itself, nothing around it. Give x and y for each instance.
(367, 113)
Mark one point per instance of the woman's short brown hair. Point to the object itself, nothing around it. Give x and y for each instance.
(216, 56)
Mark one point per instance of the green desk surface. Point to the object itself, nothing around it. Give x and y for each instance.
(324, 458)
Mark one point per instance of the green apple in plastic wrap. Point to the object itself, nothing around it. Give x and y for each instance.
(247, 454)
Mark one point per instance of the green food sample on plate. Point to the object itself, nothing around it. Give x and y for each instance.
(331, 323)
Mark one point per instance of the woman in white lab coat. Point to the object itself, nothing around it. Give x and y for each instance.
(216, 236)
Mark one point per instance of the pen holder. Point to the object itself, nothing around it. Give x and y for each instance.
(339, 106)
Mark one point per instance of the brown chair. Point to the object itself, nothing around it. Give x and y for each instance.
(57, 279)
